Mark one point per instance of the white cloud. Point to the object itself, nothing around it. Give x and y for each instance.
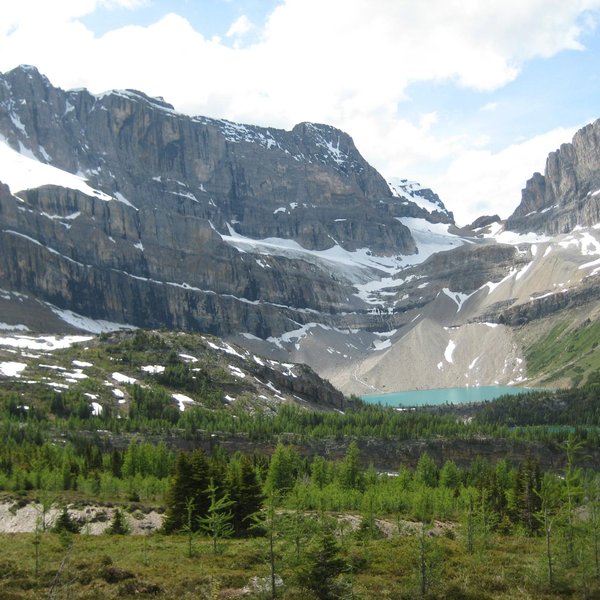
(31, 13)
(239, 27)
(344, 63)
(482, 182)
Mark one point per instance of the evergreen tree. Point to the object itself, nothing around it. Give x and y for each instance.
(217, 522)
(116, 462)
(350, 473)
(426, 472)
(283, 470)
(190, 480)
(468, 498)
(526, 496)
(245, 493)
(572, 491)
(593, 504)
(119, 524)
(189, 525)
(450, 475)
(549, 495)
(64, 523)
(322, 573)
(268, 522)
(319, 472)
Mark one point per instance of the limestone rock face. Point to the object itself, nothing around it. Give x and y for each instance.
(568, 194)
(178, 202)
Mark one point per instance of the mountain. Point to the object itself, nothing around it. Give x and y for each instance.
(119, 208)
(172, 371)
(567, 195)
(115, 210)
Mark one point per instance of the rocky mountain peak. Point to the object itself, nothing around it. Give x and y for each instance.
(420, 201)
(567, 195)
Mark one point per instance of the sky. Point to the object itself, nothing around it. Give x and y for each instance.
(467, 97)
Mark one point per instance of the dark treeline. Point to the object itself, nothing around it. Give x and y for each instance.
(539, 415)
(576, 407)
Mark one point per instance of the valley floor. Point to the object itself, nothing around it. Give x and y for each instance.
(159, 566)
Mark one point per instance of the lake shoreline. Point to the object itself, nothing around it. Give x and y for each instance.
(438, 396)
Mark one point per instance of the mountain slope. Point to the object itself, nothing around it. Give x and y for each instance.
(116, 374)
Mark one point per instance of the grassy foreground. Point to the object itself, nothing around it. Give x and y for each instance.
(103, 567)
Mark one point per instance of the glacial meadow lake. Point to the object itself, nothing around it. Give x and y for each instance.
(459, 395)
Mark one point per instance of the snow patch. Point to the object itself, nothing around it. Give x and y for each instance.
(82, 363)
(457, 297)
(430, 238)
(12, 369)
(120, 198)
(123, 378)
(7, 327)
(449, 351)
(382, 345)
(87, 324)
(153, 369)
(473, 363)
(409, 190)
(182, 400)
(22, 172)
(188, 358)
(236, 372)
(49, 342)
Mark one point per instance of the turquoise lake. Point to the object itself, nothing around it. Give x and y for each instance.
(443, 395)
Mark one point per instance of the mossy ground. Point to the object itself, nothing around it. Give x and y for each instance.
(569, 350)
(103, 567)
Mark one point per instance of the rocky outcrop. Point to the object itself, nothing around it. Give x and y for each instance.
(468, 267)
(484, 221)
(464, 269)
(568, 194)
(506, 313)
(420, 202)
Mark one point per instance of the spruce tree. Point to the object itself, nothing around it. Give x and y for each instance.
(526, 494)
(119, 524)
(64, 523)
(572, 490)
(190, 480)
(245, 492)
(450, 475)
(323, 569)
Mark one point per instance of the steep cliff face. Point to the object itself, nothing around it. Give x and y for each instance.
(136, 213)
(568, 194)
